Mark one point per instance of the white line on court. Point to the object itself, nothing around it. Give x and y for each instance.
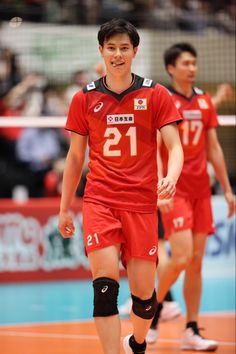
(81, 336)
(45, 323)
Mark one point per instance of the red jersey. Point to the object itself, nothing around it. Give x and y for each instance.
(198, 116)
(122, 141)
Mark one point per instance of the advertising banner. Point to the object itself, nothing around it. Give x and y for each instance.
(32, 249)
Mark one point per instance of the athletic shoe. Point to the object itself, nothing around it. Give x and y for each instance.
(193, 341)
(152, 336)
(126, 345)
(129, 350)
(170, 310)
(125, 309)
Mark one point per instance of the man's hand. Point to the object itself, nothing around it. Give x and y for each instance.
(66, 225)
(166, 188)
(165, 205)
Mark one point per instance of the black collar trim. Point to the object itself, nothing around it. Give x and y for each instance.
(172, 90)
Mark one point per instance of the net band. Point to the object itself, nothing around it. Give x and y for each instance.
(59, 122)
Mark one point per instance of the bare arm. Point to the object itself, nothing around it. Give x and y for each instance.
(159, 161)
(164, 205)
(166, 185)
(71, 178)
(216, 157)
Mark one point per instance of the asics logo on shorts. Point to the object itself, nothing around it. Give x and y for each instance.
(152, 250)
(104, 289)
(98, 107)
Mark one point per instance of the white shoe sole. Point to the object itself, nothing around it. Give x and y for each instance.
(211, 348)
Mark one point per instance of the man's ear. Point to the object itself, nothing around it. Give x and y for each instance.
(135, 51)
(100, 49)
(170, 69)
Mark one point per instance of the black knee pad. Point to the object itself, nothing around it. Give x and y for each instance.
(145, 309)
(105, 297)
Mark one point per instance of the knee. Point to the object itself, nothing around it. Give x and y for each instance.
(106, 292)
(181, 263)
(145, 309)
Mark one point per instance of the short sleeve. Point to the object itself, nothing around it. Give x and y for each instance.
(164, 106)
(212, 121)
(76, 119)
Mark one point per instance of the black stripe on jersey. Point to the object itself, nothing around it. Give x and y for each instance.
(196, 91)
(73, 131)
(136, 85)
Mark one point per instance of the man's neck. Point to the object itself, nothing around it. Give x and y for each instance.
(184, 89)
(119, 84)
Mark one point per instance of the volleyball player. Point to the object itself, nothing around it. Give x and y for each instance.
(188, 216)
(118, 115)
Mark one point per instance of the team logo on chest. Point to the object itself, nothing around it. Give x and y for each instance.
(140, 104)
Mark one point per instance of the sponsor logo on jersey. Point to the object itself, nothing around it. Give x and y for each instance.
(203, 103)
(153, 250)
(140, 104)
(91, 86)
(192, 114)
(147, 82)
(98, 107)
(120, 118)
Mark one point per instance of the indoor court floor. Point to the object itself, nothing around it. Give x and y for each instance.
(80, 337)
(55, 318)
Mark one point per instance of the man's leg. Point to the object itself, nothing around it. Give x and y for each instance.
(137, 271)
(181, 252)
(105, 270)
(193, 278)
(192, 339)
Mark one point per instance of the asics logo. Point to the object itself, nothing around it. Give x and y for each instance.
(104, 289)
(148, 308)
(98, 107)
(152, 250)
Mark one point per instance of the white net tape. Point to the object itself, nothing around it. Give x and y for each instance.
(59, 122)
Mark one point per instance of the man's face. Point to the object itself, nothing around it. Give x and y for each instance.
(185, 69)
(118, 53)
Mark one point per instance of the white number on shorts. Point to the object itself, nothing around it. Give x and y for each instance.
(113, 141)
(192, 126)
(178, 222)
(92, 238)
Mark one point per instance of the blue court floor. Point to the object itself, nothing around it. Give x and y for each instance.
(72, 300)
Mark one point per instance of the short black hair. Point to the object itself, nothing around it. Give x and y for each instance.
(118, 26)
(172, 53)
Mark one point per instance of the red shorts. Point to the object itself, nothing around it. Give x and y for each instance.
(136, 232)
(194, 214)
